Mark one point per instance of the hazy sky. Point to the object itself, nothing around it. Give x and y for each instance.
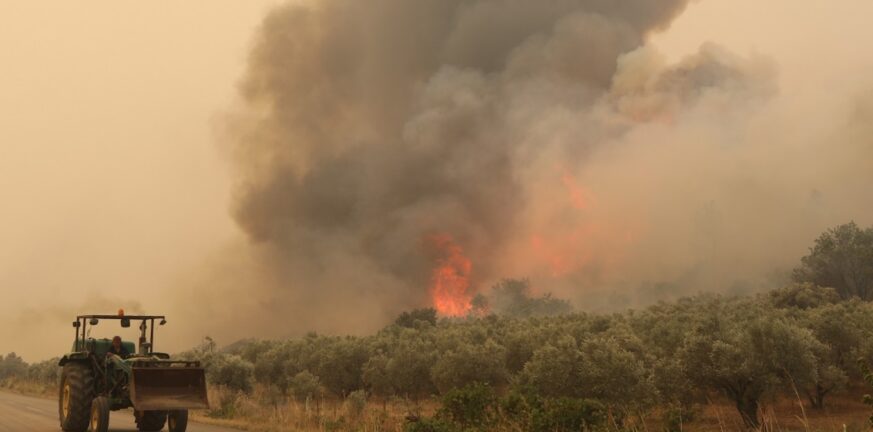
(110, 179)
(113, 188)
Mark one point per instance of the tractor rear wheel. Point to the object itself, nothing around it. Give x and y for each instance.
(150, 421)
(100, 415)
(75, 395)
(177, 421)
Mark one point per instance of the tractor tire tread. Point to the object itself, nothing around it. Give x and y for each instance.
(151, 421)
(101, 404)
(177, 421)
(81, 380)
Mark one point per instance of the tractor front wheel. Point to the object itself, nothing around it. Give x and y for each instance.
(100, 415)
(150, 421)
(177, 421)
(75, 396)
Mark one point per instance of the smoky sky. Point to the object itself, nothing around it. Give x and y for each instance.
(547, 139)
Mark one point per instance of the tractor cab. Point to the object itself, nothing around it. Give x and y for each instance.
(100, 347)
(143, 347)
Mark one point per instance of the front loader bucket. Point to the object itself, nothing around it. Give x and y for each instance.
(168, 388)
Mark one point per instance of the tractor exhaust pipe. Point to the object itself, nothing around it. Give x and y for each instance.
(168, 388)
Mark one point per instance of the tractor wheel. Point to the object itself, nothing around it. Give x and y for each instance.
(75, 396)
(100, 415)
(150, 421)
(177, 421)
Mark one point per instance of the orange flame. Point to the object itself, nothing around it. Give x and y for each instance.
(580, 197)
(450, 279)
(584, 239)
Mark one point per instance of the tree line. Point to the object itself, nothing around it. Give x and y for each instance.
(535, 364)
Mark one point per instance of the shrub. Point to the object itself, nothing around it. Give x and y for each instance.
(417, 317)
(356, 403)
(232, 372)
(305, 386)
(567, 414)
(429, 425)
(472, 405)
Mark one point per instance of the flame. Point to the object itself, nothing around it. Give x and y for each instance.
(584, 238)
(580, 197)
(450, 279)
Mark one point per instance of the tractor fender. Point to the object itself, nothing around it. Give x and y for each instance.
(73, 357)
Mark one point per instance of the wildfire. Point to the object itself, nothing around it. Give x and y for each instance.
(580, 197)
(450, 279)
(581, 235)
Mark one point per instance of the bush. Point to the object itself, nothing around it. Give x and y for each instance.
(305, 386)
(232, 372)
(429, 425)
(46, 372)
(472, 405)
(417, 318)
(12, 366)
(528, 411)
(356, 403)
(469, 363)
(803, 296)
(567, 414)
(842, 258)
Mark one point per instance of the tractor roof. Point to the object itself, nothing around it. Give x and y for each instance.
(120, 317)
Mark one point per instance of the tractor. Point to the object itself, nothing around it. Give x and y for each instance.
(95, 380)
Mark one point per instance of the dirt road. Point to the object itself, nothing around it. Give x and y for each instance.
(27, 414)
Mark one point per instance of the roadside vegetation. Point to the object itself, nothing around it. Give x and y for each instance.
(706, 362)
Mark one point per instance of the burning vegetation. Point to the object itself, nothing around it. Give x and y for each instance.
(485, 132)
(450, 282)
(390, 156)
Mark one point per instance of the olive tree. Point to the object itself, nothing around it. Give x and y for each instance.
(409, 365)
(553, 370)
(616, 374)
(304, 386)
(12, 366)
(340, 364)
(844, 331)
(231, 371)
(748, 353)
(470, 363)
(842, 258)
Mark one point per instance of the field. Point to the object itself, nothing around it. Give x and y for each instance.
(846, 412)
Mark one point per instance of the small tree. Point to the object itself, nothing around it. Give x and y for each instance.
(746, 357)
(417, 317)
(803, 295)
(340, 364)
(231, 371)
(512, 297)
(305, 386)
(12, 366)
(470, 363)
(356, 403)
(471, 406)
(841, 258)
(554, 369)
(377, 378)
(409, 365)
(615, 375)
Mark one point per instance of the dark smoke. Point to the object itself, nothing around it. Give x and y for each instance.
(513, 126)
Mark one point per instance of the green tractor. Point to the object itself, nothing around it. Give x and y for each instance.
(97, 379)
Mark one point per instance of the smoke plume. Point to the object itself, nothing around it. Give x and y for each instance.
(389, 152)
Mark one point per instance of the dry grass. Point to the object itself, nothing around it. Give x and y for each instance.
(250, 413)
(843, 413)
(30, 388)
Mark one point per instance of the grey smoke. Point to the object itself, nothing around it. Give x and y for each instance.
(365, 126)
